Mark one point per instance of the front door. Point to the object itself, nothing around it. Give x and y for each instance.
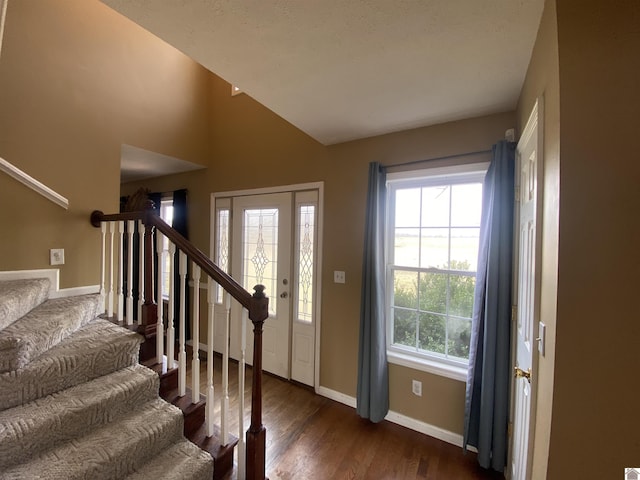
(271, 239)
(527, 315)
(261, 255)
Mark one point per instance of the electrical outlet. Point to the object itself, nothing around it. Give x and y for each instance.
(338, 277)
(416, 387)
(56, 256)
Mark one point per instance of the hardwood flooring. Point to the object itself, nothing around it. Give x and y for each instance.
(310, 437)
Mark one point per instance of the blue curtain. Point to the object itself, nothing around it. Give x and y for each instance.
(180, 224)
(373, 374)
(487, 394)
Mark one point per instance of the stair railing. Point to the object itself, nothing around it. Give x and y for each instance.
(147, 224)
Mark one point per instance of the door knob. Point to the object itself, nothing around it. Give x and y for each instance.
(284, 295)
(519, 373)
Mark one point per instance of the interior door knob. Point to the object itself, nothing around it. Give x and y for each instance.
(284, 295)
(519, 373)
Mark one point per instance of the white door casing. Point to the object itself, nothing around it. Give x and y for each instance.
(290, 338)
(527, 288)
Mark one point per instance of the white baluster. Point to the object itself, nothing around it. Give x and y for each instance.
(171, 332)
(103, 270)
(195, 332)
(140, 269)
(241, 368)
(209, 415)
(182, 355)
(112, 230)
(130, 228)
(224, 407)
(120, 271)
(160, 283)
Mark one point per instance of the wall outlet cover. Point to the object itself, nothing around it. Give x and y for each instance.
(56, 256)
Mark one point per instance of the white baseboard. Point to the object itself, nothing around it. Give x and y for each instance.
(70, 292)
(393, 417)
(53, 274)
(400, 419)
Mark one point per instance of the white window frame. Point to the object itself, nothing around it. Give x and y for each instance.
(165, 202)
(425, 362)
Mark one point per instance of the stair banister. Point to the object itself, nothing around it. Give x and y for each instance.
(257, 306)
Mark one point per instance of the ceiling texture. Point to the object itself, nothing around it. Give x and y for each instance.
(341, 70)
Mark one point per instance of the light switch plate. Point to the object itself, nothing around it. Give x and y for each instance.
(56, 256)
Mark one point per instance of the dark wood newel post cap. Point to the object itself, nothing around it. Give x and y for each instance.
(259, 307)
(96, 216)
(259, 291)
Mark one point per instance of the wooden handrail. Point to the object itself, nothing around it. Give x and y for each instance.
(257, 304)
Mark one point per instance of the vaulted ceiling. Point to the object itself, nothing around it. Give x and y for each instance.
(341, 70)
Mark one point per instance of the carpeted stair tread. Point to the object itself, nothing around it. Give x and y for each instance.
(112, 451)
(44, 327)
(30, 429)
(182, 460)
(97, 349)
(18, 297)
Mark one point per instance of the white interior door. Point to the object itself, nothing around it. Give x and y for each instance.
(261, 254)
(526, 326)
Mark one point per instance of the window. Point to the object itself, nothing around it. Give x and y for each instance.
(305, 255)
(222, 245)
(432, 248)
(166, 213)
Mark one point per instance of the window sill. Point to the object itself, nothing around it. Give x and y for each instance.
(429, 366)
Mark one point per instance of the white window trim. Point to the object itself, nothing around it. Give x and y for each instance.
(166, 200)
(425, 362)
(427, 365)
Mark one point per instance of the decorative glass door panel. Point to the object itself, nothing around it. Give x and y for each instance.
(260, 255)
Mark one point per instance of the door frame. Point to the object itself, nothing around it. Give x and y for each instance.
(319, 186)
(535, 120)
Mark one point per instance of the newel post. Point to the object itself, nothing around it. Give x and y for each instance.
(147, 325)
(256, 435)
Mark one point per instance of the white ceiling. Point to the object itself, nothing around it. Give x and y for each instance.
(140, 164)
(346, 69)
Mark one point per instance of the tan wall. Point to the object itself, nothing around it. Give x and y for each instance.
(595, 424)
(442, 403)
(102, 82)
(254, 148)
(78, 80)
(542, 82)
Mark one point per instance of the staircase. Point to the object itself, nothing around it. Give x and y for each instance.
(164, 348)
(74, 401)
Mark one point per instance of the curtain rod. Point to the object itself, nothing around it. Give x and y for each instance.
(446, 157)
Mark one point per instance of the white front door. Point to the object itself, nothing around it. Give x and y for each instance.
(261, 240)
(528, 171)
(271, 239)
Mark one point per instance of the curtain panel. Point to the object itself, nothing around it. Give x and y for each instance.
(373, 374)
(488, 380)
(180, 224)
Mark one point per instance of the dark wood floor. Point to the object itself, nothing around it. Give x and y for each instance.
(312, 437)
